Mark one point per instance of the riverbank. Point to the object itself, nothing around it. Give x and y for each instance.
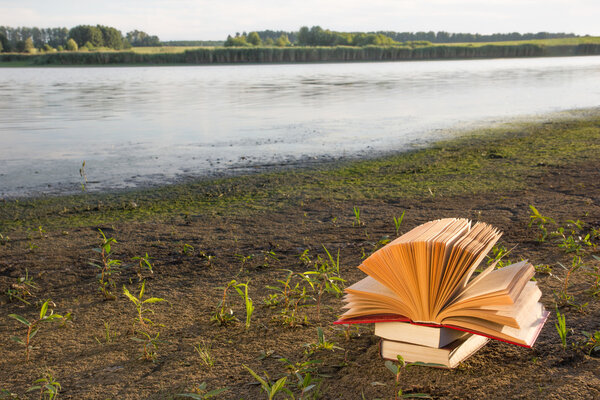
(300, 54)
(481, 161)
(202, 234)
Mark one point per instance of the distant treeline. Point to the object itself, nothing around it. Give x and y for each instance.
(296, 54)
(25, 39)
(317, 36)
(447, 37)
(192, 43)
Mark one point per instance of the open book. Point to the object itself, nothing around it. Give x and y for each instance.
(424, 277)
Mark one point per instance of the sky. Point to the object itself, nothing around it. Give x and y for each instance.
(215, 19)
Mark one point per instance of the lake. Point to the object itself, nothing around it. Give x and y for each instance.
(136, 126)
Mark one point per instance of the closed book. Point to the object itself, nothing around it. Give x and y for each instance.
(416, 334)
(448, 356)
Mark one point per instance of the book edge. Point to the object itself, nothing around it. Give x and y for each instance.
(389, 318)
(440, 366)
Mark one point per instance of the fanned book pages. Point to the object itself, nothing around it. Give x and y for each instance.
(426, 277)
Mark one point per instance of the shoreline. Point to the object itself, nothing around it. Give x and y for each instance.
(493, 149)
(306, 54)
(246, 166)
(25, 64)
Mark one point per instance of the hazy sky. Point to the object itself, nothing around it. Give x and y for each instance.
(214, 19)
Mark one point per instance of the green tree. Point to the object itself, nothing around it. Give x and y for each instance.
(303, 36)
(237, 41)
(86, 33)
(4, 43)
(140, 39)
(48, 49)
(72, 45)
(269, 42)
(111, 37)
(283, 40)
(254, 39)
(28, 47)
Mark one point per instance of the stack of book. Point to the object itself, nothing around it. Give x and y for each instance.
(426, 303)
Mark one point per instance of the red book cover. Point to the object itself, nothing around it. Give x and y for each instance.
(371, 319)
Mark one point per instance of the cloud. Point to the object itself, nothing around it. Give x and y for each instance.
(203, 19)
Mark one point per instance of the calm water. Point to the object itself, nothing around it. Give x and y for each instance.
(139, 125)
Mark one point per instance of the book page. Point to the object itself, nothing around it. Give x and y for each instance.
(496, 283)
(524, 336)
(467, 249)
(377, 298)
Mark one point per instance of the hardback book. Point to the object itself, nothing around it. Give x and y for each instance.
(427, 277)
(429, 336)
(448, 356)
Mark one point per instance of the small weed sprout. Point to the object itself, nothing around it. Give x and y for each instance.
(305, 258)
(592, 345)
(187, 249)
(573, 242)
(203, 349)
(107, 266)
(347, 331)
(325, 278)
(34, 326)
(247, 301)
(595, 289)
(42, 232)
(208, 258)
(22, 288)
(397, 369)
(543, 269)
(4, 239)
(200, 393)
(381, 242)
(290, 297)
(140, 304)
(398, 222)
(303, 372)
(284, 292)
(321, 344)
(561, 327)
(143, 264)
(268, 258)
(540, 221)
(563, 296)
(244, 260)
(66, 319)
(224, 314)
(270, 388)
(83, 176)
(47, 386)
(498, 254)
(357, 221)
(32, 246)
(149, 345)
(109, 336)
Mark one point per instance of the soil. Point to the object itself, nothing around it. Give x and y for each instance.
(88, 366)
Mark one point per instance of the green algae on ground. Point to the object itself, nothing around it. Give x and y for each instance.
(480, 161)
